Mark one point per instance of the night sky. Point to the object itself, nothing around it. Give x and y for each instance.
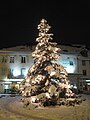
(19, 19)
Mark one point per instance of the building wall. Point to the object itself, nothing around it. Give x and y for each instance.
(84, 64)
(81, 56)
(70, 58)
(69, 61)
(13, 68)
(16, 66)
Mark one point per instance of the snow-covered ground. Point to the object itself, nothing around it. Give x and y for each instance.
(11, 108)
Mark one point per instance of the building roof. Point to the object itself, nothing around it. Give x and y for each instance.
(24, 49)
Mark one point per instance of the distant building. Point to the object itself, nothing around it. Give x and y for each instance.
(15, 62)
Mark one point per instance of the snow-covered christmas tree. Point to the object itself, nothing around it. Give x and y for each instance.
(46, 82)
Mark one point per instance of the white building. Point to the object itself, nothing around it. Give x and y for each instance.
(15, 62)
(76, 60)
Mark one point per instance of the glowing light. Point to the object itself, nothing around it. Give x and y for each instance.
(6, 86)
(70, 69)
(87, 80)
(16, 72)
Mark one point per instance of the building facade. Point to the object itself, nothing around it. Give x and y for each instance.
(76, 60)
(15, 62)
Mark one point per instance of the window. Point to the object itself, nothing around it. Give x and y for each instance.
(3, 71)
(83, 62)
(4, 59)
(11, 72)
(71, 62)
(12, 59)
(23, 59)
(23, 71)
(84, 52)
(89, 62)
(84, 72)
(65, 50)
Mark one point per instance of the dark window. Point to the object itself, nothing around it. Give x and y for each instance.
(71, 62)
(23, 59)
(4, 59)
(84, 72)
(84, 52)
(12, 59)
(89, 62)
(65, 50)
(83, 62)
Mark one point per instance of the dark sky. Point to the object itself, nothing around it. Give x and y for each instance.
(69, 21)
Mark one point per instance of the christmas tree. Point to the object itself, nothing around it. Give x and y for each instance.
(46, 82)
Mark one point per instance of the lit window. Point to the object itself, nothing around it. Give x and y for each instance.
(84, 72)
(83, 62)
(12, 59)
(23, 71)
(23, 59)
